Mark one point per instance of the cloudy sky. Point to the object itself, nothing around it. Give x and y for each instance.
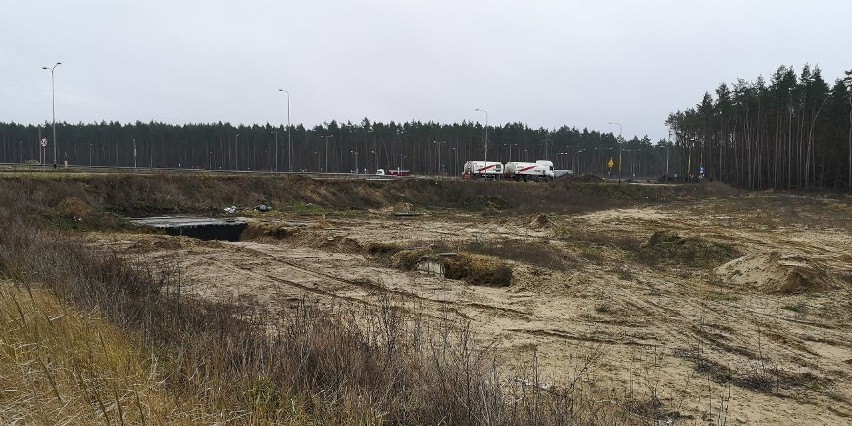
(544, 63)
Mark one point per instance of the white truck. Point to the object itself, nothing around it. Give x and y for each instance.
(541, 170)
(483, 170)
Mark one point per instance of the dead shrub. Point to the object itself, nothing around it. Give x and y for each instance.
(478, 270)
(73, 208)
(407, 259)
(382, 250)
(668, 247)
(257, 231)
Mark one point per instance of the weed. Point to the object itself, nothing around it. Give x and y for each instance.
(540, 254)
(799, 308)
(667, 248)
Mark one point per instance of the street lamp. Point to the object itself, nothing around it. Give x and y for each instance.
(486, 132)
(440, 172)
(620, 147)
(377, 158)
(53, 97)
(327, 137)
(289, 144)
(561, 163)
(576, 163)
(510, 149)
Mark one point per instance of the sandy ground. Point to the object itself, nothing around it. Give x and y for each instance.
(668, 331)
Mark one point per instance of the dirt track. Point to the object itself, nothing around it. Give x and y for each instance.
(703, 342)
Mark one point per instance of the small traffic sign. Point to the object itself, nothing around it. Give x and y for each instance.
(610, 163)
(43, 142)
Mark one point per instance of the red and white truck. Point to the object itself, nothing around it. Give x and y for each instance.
(483, 170)
(541, 170)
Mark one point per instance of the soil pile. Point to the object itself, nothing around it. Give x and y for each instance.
(668, 247)
(780, 274)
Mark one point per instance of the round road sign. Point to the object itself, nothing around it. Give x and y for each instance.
(44, 142)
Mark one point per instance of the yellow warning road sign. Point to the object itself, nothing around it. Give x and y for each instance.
(610, 164)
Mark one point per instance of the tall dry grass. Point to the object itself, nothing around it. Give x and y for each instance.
(58, 366)
(187, 360)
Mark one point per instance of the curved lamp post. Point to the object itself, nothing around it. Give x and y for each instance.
(53, 97)
(289, 144)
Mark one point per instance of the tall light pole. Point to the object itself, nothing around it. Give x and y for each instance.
(620, 148)
(53, 96)
(327, 137)
(276, 150)
(576, 164)
(560, 159)
(510, 149)
(289, 140)
(486, 132)
(377, 158)
(440, 172)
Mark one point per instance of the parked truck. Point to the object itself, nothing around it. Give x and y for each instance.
(490, 170)
(541, 170)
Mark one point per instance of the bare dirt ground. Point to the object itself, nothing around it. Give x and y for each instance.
(761, 336)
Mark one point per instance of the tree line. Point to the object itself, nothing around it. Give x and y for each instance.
(424, 148)
(793, 132)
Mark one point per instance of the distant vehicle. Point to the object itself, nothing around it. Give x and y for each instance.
(541, 170)
(393, 172)
(483, 170)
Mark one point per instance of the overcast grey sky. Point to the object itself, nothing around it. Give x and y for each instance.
(544, 63)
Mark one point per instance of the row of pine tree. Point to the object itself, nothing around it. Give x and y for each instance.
(423, 148)
(794, 132)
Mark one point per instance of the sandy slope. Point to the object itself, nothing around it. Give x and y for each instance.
(670, 330)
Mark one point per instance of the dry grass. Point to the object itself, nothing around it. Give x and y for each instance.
(187, 360)
(180, 359)
(665, 247)
(58, 366)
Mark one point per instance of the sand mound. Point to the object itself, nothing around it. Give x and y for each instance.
(540, 222)
(776, 273)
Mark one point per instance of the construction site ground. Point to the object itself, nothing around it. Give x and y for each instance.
(740, 310)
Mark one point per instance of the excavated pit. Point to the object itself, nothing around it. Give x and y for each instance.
(202, 228)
